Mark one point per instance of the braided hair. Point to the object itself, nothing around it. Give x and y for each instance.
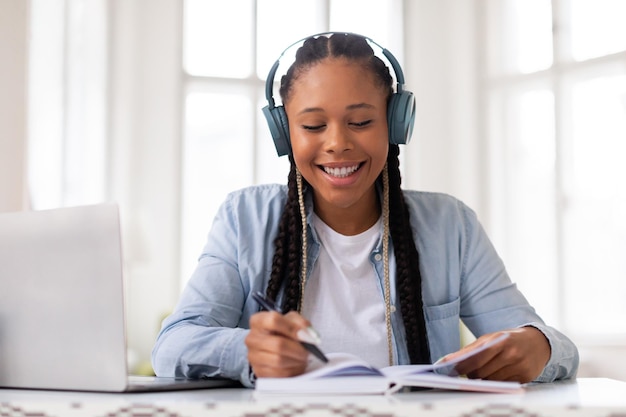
(287, 258)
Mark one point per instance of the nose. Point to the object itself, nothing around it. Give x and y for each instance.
(338, 139)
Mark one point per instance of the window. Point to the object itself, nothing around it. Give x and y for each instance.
(67, 103)
(556, 123)
(227, 144)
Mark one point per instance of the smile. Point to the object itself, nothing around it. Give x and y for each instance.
(341, 172)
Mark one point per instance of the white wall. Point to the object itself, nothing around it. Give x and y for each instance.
(440, 68)
(13, 71)
(145, 106)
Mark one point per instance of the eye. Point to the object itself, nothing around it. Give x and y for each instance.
(361, 124)
(313, 128)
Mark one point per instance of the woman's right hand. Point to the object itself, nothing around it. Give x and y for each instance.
(273, 346)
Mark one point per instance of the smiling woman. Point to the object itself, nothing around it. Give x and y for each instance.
(381, 272)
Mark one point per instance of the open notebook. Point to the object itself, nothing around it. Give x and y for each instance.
(347, 374)
(62, 320)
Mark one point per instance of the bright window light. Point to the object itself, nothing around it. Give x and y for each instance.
(218, 38)
(597, 28)
(594, 222)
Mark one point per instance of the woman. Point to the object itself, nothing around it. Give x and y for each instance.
(378, 271)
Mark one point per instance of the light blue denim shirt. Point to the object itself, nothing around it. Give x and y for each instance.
(462, 279)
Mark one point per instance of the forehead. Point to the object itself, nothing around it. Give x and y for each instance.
(335, 76)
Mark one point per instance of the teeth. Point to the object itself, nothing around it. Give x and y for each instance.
(341, 172)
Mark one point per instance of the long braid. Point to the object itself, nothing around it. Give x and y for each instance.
(304, 238)
(408, 276)
(287, 249)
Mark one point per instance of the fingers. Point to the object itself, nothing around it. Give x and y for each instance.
(273, 346)
(483, 361)
(519, 357)
(503, 365)
(286, 325)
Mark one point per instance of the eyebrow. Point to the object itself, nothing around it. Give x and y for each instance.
(349, 107)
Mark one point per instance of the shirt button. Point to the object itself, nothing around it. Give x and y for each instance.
(392, 309)
(378, 257)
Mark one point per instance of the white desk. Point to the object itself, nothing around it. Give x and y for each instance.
(585, 397)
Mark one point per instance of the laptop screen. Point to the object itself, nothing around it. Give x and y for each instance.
(61, 301)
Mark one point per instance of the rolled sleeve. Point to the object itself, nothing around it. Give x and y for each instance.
(563, 362)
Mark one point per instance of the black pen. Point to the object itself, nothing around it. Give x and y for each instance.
(269, 305)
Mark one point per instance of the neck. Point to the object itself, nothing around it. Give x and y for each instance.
(352, 220)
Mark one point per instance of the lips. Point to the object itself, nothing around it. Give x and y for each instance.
(341, 172)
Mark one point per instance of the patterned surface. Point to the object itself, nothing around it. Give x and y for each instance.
(106, 409)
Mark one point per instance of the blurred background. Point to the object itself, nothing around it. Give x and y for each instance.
(155, 104)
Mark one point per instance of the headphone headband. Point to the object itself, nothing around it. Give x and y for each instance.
(400, 111)
(395, 65)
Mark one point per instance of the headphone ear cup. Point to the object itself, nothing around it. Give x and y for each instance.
(279, 128)
(401, 117)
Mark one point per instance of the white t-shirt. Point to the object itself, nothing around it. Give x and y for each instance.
(343, 297)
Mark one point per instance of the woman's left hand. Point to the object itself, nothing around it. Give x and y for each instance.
(519, 357)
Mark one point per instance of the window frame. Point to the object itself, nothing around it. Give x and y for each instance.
(556, 79)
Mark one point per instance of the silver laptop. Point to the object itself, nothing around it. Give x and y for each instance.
(62, 320)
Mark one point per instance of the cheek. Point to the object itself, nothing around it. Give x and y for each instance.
(380, 150)
(299, 152)
(303, 148)
(302, 156)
